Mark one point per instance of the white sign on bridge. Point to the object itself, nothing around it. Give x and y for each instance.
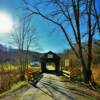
(50, 55)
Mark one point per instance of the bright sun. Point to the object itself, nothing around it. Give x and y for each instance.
(6, 23)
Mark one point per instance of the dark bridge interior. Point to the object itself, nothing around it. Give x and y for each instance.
(50, 57)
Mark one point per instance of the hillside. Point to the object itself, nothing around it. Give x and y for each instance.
(12, 55)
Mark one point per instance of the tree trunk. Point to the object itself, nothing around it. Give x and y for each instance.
(87, 75)
(22, 65)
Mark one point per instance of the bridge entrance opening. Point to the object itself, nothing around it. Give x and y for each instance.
(50, 66)
(50, 61)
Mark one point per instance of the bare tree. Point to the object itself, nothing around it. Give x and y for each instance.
(30, 41)
(24, 36)
(80, 16)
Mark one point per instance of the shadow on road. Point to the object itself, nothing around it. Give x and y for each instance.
(40, 75)
(57, 73)
(51, 87)
(54, 88)
(36, 80)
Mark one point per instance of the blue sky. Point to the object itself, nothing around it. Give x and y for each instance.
(47, 38)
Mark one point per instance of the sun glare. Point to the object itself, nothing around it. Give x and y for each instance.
(6, 23)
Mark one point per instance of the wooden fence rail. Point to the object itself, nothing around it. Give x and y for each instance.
(66, 73)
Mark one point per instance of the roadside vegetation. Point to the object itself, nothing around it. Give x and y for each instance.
(75, 66)
(9, 75)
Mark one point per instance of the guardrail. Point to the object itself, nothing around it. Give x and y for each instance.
(66, 73)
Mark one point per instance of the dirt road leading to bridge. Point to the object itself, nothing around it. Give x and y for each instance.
(50, 87)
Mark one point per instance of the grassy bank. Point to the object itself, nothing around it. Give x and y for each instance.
(15, 87)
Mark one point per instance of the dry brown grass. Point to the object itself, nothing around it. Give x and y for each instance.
(8, 77)
(96, 74)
